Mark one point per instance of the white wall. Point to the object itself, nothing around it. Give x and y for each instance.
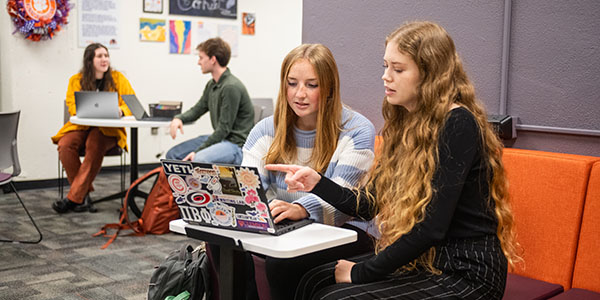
(34, 75)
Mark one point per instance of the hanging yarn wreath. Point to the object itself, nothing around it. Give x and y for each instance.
(38, 19)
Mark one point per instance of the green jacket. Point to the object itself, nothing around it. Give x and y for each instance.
(230, 107)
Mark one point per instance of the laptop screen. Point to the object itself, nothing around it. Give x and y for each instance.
(101, 105)
(135, 106)
(215, 195)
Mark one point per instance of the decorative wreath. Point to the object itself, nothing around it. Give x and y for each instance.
(38, 19)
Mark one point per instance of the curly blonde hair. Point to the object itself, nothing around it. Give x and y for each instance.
(283, 148)
(402, 196)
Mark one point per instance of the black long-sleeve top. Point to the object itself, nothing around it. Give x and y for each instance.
(458, 209)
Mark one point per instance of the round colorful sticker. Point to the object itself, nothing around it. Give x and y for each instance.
(177, 184)
(40, 9)
(247, 178)
(193, 183)
(199, 199)
(222, 216)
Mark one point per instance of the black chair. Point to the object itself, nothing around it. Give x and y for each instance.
(10, 158)
(114, 151)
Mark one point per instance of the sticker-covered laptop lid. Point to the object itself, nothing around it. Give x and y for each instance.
(217, 195)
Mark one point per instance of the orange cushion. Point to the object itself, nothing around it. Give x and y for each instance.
(547, 193)
(587, 263)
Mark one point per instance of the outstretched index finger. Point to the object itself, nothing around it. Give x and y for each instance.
(282, 168)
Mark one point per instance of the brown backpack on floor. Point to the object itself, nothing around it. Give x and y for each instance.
(158, 211)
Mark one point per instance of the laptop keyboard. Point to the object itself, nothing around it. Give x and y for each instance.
(284, 223)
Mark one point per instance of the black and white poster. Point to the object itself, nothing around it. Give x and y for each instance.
(226, 9)
(98, 23)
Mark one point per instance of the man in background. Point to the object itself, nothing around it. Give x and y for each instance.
(231, 112)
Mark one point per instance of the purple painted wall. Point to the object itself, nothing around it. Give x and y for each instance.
(554, 73)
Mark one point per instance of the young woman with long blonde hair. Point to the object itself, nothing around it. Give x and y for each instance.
(310, 127)
(438, 192)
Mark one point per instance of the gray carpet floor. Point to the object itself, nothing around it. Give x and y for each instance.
(68, 263)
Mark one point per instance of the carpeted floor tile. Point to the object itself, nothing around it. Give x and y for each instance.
(68, 263)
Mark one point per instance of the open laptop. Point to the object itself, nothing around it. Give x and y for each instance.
(97, 105)
(223, 196)
(138, 110)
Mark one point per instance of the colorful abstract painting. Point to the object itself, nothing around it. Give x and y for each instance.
(152, 30)
(180, 33)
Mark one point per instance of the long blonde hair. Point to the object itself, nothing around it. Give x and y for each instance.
(283, 148)
(406, 166)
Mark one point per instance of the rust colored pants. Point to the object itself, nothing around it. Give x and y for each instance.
(81, 175)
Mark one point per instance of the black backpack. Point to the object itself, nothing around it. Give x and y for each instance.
(183, 270)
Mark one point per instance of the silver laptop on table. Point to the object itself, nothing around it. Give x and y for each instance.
(138, 110)
(97, 105)
(223, 196)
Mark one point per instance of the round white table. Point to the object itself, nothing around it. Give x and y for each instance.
(133, 124)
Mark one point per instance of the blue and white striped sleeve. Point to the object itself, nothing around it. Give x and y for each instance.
(256, 147)
(350, 162)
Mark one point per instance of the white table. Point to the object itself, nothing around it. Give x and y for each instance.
(310, 238)
(128, 121)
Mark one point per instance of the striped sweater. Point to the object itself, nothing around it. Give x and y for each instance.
(351, 160)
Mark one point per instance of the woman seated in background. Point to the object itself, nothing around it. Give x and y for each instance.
(95, 75)
(438, 193)
(310, 127)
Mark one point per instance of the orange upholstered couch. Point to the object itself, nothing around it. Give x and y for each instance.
(586, 275)
(555, 199)
(587, 263)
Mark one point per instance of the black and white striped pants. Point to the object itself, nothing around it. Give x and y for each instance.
(285, 273)
(471, 269)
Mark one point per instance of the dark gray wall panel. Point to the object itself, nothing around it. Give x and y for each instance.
(355, 32)
(554, 77)
(554, 72)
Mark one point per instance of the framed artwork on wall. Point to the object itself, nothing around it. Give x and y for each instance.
(153, 6)
(225, 9)
(248, 21)
(152, 30)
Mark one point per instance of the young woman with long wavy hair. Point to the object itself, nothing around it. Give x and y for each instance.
(311, 127)
(438, 192)
(95, 75)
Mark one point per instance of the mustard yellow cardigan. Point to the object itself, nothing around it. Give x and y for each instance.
(123, 88)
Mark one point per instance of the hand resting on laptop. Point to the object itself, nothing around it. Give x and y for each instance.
(281, 210)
